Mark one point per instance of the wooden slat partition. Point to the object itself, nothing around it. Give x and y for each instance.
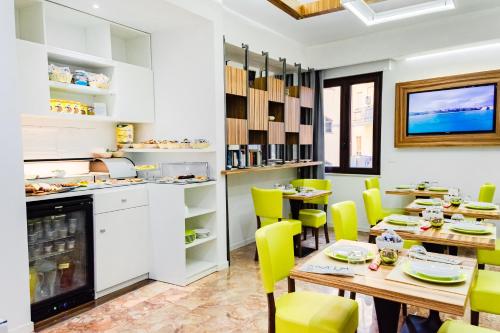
(292, 114)
(276, 89)
(237, 131)
(306, 97)
(306, 135)
(258, 110)
(293, 91)
(276, 133)
(236, 81)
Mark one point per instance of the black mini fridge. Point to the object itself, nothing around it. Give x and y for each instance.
(61, 255)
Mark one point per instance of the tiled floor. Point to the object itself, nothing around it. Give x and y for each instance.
(229, 301)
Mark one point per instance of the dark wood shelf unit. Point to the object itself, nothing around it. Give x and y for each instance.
(236, 106)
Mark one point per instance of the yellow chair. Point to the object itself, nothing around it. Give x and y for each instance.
(345, 220)
(487, 192)
(488, 257)
(301, 311)
(375, 213)
(314, 218)
(485, 294)
(372, 182)
(268, 205)
(456, 326)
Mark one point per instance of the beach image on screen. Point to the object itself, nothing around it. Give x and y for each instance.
(458, 110)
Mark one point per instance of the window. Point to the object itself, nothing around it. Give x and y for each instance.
(352, 114)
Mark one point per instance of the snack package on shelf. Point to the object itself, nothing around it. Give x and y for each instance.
(98, 80)
(81, 78)
(66, 106)
(60, 74)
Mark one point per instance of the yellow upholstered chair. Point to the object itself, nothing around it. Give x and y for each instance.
(375, 213)
(268, 205)
(484, 295)
(297, 311)
(314, 218)
(345, 220)
(488, 257)
(456, 326)
(372, 182)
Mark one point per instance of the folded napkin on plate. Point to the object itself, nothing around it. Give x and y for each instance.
(405, 228)
(438, 258)
(327, 269)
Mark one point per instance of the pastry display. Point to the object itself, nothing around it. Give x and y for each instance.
(200, 144)
(41, 188)
(169, 144)
(150, 144)
(185, 144)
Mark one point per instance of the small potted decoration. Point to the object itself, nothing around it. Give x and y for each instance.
(389, 244)
(435, 216)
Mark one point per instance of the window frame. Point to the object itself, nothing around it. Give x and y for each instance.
(345, 84)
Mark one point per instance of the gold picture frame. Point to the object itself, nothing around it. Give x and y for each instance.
(403, 89)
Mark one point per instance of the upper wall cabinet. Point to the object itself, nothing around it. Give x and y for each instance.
(83, 46)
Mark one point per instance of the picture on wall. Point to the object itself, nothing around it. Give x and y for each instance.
(459, 110)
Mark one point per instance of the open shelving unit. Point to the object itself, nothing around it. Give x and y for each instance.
(269, 112)
(48, 33)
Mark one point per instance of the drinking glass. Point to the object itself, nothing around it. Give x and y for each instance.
(356, 261)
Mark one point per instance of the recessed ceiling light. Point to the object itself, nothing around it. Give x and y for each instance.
(96, 6)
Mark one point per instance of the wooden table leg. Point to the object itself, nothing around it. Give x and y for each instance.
(387, 315)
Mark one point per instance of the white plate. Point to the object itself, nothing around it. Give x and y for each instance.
(344, 250)
(482, 204)
(436, 270)
(469, 226)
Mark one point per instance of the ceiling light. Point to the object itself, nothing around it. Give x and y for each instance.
(96, 6)
(369, 17)
(453, 51)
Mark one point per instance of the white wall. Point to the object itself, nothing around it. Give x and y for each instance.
(14, 277)
(464, 167)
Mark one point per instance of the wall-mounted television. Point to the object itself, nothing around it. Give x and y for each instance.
(458, 110)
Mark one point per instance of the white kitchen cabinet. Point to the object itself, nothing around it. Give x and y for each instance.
(122, 243)
(134, 96)
(32, 89)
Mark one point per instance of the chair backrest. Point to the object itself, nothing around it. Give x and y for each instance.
(372, 182)
(345, 220)
(268, 202)
(487, 192)
(317, 184)
(373, 205)
(275, 249)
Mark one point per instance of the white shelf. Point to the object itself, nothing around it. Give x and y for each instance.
(167, 151)
(196, 269)
(74, 88)
(197, 211)
(68, 116)
(69, 57)
(200, 241)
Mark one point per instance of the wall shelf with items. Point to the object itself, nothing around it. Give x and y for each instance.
(115, 59)
(168, 151)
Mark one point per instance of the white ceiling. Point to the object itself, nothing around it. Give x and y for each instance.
(339, 25)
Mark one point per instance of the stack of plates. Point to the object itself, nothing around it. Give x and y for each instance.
(428, 202)
(438, 189)
(434, 272)
(405, 187)
(403, 219)
(341, 252)
(470, 228)
(481, 205)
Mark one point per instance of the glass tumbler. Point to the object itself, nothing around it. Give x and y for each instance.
(356, 261)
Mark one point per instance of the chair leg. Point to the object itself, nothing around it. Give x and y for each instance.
(352, 295)
(481, 266)
(371, 239)
(341, 293)
(304, 233)
(404, 308)
(256, 256)
(316, 237)
(299, 245)
(327, 238)
(474, 318)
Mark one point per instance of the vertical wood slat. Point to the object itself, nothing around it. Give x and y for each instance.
(274, 88)
(236, 131)
(258, 110)
(276, 133)
(236, 81)
(292, 114)
(306, 97)
(306, 135)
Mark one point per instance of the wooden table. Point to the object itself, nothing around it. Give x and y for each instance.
(296, 204)
(475, 213)
(417, 193)
(441, 236)
(389, 295)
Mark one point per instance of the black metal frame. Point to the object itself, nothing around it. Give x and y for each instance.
(345, 122)
(60, 303)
